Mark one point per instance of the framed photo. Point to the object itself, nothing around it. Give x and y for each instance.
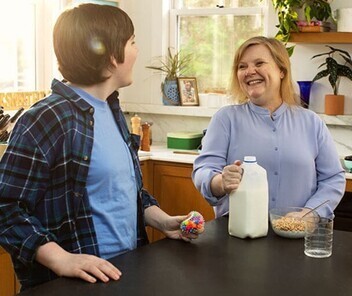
(188, 90)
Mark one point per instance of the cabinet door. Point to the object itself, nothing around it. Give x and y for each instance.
(148, 185)
(7, 276)
(349, 185)
(147, 174)
(175, 192)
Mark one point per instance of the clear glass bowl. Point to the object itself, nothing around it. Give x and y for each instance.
(287, 222)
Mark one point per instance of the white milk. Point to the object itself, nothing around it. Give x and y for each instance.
(249, 204)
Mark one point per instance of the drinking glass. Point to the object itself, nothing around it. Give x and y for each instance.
(318, 237)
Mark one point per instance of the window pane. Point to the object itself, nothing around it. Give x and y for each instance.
(102, 2)
(17, 46)
(214, 40)
(214, 3)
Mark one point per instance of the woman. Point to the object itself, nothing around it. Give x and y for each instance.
(290, 142)
(71, 192)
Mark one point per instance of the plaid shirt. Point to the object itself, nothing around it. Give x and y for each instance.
(43, 175)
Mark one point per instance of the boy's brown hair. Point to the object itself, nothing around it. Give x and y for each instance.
(86, 37)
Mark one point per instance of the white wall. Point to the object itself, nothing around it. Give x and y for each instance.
(303, 68)
(150, 19)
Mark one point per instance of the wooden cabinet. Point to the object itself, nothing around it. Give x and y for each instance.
(171, 184)
(349, 185)
(8, 283)
(146, 167)
(147, 172)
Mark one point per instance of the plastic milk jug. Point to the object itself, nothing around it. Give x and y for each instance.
(249, 204)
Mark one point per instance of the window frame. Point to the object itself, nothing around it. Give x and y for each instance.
(44, 13)
(241, 11)
(176, 13)
(46, 66)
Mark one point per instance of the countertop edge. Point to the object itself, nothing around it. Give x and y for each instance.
(162, 153)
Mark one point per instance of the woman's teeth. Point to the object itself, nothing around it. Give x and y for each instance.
(254, 82)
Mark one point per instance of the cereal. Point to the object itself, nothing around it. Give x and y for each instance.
(289, 224)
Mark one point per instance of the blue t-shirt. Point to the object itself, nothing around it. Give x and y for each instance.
(111, 183)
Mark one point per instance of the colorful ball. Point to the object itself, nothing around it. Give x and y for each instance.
(194, 224)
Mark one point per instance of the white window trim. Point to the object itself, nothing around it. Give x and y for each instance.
(46, 65)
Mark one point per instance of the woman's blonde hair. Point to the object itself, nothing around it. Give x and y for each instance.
(281, 58)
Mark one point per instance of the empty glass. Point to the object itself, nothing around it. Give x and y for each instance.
(318, 237)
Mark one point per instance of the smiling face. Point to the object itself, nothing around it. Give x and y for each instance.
(260, 77)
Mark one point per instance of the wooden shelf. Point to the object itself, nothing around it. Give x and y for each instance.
(323, 37)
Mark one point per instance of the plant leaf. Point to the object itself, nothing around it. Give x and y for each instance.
(320, 54)
(323, 64)
(307, 11)
(332, 67)
(321, 74)
(173, 64)
(345, 71)
(290, 50)
(333, 49)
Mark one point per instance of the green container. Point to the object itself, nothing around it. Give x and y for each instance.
(184, 140)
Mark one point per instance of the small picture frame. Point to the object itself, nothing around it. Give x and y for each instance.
(188, 90)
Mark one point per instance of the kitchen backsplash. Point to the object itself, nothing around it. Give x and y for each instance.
(343, 139)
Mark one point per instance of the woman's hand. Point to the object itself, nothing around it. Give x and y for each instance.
(86, 267)
(299, 215)
(228, 180)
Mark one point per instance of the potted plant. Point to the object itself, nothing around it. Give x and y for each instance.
(173, 65)
(288, 17)
(334, 103)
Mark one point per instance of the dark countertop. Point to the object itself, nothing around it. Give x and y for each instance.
(218, 264)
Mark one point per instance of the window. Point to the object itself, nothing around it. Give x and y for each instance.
(26, 54)
(102, 2)
(213, 30)
(17, 50)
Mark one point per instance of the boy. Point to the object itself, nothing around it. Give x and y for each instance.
(71, 192)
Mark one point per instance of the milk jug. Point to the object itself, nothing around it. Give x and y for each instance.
(249, 204)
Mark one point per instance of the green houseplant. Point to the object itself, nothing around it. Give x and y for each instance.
(287, 12)
(334, 103)
(173, 65)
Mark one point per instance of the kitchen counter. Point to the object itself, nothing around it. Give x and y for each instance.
(160, 152)
(219, 264)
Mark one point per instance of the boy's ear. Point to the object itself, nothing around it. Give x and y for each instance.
(113, 61)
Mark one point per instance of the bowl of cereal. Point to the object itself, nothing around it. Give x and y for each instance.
(287, 222)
